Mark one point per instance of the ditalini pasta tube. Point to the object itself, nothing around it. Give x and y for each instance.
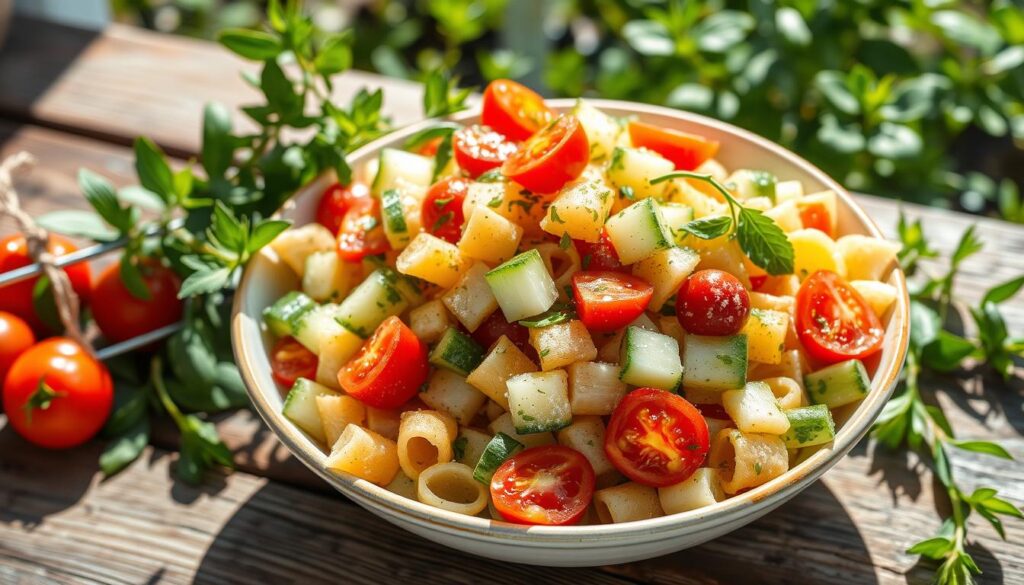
(699, 490)
(337, 412)
(450, 486)
(746, 460)
(627, 502)
(586, 435)
(425, 439)
(364, 454)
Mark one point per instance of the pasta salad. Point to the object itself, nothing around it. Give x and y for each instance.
(558, 319)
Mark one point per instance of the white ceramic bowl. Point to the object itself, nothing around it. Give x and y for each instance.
(266, 279)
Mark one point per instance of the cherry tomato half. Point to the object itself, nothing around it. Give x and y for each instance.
(479, 149)
(389, 369)
(686, 151)
(121, 315)
(362, 233)
(290, 360)
(335, 203)
(552, 157)
(493, 327)
(442, 208)
(550, 485)
(833, 321)
(606, 301)
(656, 438)
(17, 298)
(816, 216)
(513, 109)
(15, 337)
(712, 302)
(57, 395)
(600, 255)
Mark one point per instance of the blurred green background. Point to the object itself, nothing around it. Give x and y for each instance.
(921, 100)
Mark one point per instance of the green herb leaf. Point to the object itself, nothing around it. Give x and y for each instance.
(218, 145)
(205, 281)
(77, 222)
(565, 242)
(125, 447)
(101, 195)
(443, 156)
(764, 242)
(335, 55)
(439, 130)
(986, 447)
(709, 228)
(154, 171)
(251, 44)
(1003, 292)
(560, 313)
(132, 279)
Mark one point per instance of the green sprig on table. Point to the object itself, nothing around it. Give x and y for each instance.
(923, 427)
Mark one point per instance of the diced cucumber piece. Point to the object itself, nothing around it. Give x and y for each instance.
(398, 164)
(650, 359)
(677, 215)
(715, 363)
(747, 184)
(539, 401)
(809, 426)
(284, 315)
(500, 448)
(317, 325)
(638, 231)
(391, 210)
(522, 286)
(457, 352)
(300, 407)
(374, 300)
(839, 384)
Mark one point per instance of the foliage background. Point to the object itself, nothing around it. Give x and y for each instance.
(921, 100)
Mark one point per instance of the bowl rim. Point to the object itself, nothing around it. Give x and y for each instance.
(774, 492)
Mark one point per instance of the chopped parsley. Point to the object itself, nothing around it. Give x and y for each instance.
(565, 242)
(627, 192)
(459, 447)
(554, 215)
(445, 218)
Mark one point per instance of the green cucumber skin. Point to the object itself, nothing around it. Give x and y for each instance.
(499, 449)
(542, 427)
(360, 322)
(733, 355)
(839, 384)
(457, 352)
(809, 426)
(285, 314)
(391, 208)
(515, 262)
(626, 357)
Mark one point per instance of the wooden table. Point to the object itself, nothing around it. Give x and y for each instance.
(77, 99)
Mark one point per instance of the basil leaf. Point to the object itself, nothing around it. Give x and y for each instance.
(764, 242)
(709, 228)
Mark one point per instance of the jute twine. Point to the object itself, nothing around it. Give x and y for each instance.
(36, 238)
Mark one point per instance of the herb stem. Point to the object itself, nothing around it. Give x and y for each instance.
(156, 377)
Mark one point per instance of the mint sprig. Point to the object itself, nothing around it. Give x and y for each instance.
(760, 238)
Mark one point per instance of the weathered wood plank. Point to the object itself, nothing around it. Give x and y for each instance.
(125, 82)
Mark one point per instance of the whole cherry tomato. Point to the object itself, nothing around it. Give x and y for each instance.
(686, 151)
(712, 302)
(442, 208)
(121, 315)
(513, 109)
(389, 369)
(57, 395)
(833, 321)
(479, 149)
(552, 157)
(15, 337)
(17, 298)
(550, 485)
(335, 203)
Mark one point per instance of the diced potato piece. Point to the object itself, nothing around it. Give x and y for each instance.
(504, 361)
(669, 325)
(504, 424)
(788, 191)
(505, 198)
(489, 236)
(328, 278)
(602, 130)
(879, 295)
(470, 445)
(704, 203)
(676, 216)
(666, 270)
(430, 320)
(294, 245)
(635, 167)
(471, 299)
(365, 454)
(755, 409)
(594, 388)
(562, 344)
(335, 352)
(813, 250)
(337, 412)
(760, 300)
(822, 202)
(580, 209)
(780, 286)
(722, 254)
(786, 216)
(432, 259)
(449, 392)
(586, 435)
(766, 335)
(866, 258)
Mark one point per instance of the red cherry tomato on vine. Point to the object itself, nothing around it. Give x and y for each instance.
(290, 360)
(362, 233)
(389, 369)
(513, 109)
(550, 485)
(442, 208)
(607, 301)
(57, 395)
(335, 203)
(686, 151)
(552, 157)
(656, 438)
(600, 255)
(712, 302)
(17, 298)
(121, 315)
(479, 149)
(833, 321)
(15, 337)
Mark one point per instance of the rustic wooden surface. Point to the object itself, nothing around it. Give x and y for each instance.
(76, 99)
